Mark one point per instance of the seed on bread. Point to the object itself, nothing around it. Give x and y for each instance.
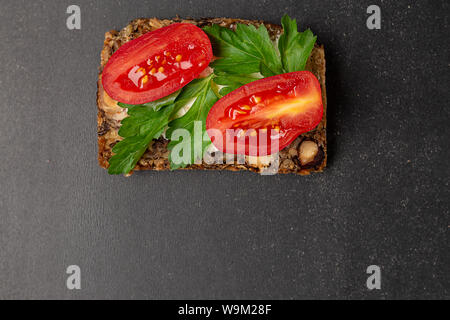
(307, 152)
(287, 164)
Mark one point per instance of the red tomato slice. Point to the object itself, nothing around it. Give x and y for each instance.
(157, 64)
(265, 116)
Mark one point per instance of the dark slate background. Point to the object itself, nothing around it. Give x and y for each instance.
(383, 200)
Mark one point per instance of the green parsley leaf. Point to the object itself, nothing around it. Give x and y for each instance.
(231, 82)
(244, 51)
(156, 105)
(142, 125)
(205, 98)
(295, 47)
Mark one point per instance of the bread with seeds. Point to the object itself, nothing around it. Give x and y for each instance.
(308, 153)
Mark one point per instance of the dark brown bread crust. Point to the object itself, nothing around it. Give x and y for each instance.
(156, 157)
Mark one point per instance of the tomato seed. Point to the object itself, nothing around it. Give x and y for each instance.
(255, 99)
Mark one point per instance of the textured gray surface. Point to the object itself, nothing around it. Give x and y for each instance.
(383, 200)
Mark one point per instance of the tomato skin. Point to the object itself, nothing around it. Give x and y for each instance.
(157, 64)
(275, 110)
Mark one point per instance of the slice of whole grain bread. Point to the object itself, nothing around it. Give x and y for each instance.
(308, 153)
